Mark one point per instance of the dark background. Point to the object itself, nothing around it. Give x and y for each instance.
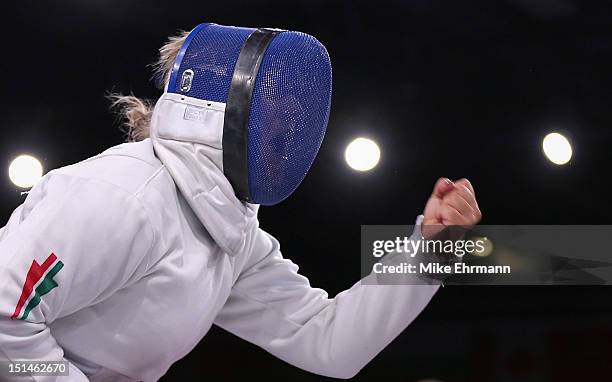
(447, 88)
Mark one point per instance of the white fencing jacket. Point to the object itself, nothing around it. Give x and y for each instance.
(121, 263)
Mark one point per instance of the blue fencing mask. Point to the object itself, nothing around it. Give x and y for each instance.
(276, 87)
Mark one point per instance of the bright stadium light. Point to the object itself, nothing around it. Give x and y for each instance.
(362, 154)
(557, 148)
(25, 171)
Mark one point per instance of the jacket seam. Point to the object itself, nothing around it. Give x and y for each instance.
(104, 155)
(149, 180)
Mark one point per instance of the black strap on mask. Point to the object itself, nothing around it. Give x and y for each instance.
(237, 109)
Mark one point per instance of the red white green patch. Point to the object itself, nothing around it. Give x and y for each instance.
(39, 281)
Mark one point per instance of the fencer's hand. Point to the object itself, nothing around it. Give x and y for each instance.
(450, 204)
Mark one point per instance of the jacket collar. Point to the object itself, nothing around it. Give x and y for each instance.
(187, 137)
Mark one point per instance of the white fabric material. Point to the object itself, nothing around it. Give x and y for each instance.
(156, 248)
(183, 144)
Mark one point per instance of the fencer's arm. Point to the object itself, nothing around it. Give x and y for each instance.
(274, 307)
(72, 219)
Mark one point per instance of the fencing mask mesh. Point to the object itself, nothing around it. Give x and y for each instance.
(277, 89)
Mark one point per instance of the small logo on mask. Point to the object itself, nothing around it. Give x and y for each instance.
(187, 80)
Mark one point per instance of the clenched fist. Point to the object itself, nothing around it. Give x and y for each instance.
(450, 204)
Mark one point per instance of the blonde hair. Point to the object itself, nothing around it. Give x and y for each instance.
(134, 112)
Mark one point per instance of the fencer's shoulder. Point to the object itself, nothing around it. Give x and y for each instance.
(129, 166)
(128, 173)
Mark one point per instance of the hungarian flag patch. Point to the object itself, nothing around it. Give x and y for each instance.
(39, 281)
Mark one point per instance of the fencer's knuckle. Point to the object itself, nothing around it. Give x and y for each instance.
(466, 182)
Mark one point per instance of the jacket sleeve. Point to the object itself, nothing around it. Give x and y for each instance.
(72, 243)
(274, 307)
